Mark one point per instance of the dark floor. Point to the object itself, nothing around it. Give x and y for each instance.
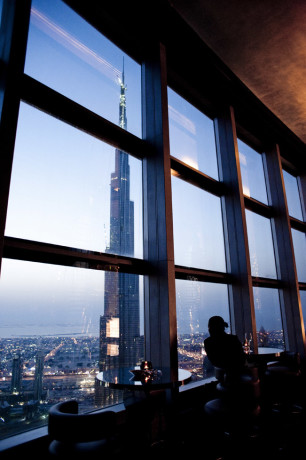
(276, 432)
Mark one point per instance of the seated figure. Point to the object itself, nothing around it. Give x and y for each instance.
(224, 350)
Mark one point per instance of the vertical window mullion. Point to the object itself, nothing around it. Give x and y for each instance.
(289, 296)
(14, 30)
(236, 241)
(160, 305)
(302, 189)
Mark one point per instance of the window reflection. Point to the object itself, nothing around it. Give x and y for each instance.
(196, 302)
(293, 196)
(268, 318)
(197, 226)
(192, 137)
(299, 244)
(261, 249)
(60, 188)
(252, 172)
(67, 54)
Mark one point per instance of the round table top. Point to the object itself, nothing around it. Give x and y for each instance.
(270, 351)
(123, 378)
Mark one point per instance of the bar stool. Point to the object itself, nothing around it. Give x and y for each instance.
(282, 382)
(233, 416)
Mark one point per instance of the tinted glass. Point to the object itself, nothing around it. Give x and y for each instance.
(303, 301)
(192, 137)
(60, 189)
(196, 302)
(70, 56)
(260, 246)
(198, 230)
(293, 196)
(1, 6)
(268, 318)
(52, 338)
(253, 178)
(299, 244)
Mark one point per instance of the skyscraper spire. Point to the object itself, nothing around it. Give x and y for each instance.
(122, 104)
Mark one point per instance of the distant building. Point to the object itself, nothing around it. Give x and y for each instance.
(38, 379)
(16, 374)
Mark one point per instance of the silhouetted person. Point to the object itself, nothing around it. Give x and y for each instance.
(224, 350)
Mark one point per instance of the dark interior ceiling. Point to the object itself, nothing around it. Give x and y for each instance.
(263, 43)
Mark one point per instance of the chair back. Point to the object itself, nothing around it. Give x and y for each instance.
(67, 425)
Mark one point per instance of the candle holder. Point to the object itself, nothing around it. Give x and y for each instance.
(146, 365)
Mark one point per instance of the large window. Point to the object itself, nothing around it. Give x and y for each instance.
(293, 196)
(268, 318)
(253, 178)
(60, 190)
(299, 244)
(196, 302)
(68, 308)
(198, 229)
(261, 247)
(192, 137)
(67, 54)
(52, 327)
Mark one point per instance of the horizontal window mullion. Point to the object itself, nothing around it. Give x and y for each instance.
(267, 282)
(298, 224)
(16, 248)
(50, 101)
(194, 274)
(197, 178)
(259, 208)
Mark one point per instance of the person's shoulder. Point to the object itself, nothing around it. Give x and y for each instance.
(207, 340)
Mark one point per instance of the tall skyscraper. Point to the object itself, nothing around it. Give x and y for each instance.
(16, 374)
(119, 326)
(38, 379)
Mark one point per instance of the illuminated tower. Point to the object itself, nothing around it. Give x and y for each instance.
(119, 326)
(39, 372)
(16, 375)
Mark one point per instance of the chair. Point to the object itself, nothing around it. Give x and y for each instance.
(282, 382)
(77, 435)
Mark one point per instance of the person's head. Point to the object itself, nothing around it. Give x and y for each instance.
(216, 325)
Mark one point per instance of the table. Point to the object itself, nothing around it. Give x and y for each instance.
(263, 357)
(122, 379)
(276, 352)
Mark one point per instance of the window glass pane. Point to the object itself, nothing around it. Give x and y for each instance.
(260, 245)
(253, 178)
(299, 244)
(53, 340)
(293, 196)
(60, 189)
(70, 56)
(303, 301)
(196, 302)
(1, 6)
(192, 136)
(268, 318)
(198, 230)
